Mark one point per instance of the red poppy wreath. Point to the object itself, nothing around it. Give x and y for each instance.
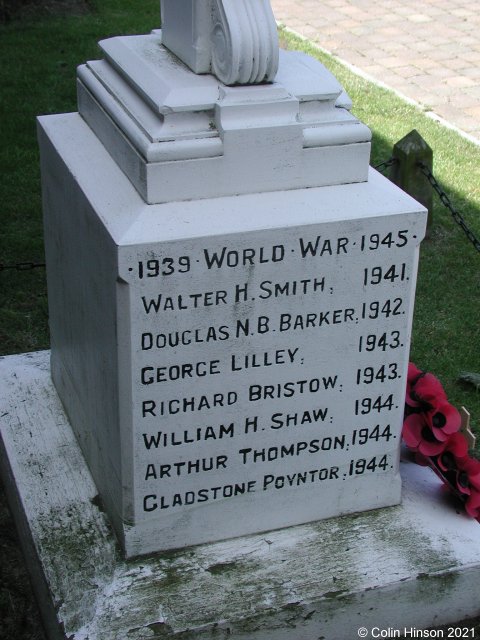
(431, 429)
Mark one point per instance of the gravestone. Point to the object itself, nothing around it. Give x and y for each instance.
(231, 287)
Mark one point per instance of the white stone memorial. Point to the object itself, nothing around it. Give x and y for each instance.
(231, 287)
(231, 291)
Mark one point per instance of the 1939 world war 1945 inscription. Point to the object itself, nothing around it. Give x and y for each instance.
(269, 366)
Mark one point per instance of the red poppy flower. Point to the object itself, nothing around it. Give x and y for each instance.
(473, 469)
(419, 437)
(468, 475)
(413, 373)
(423, 389)
(443, 419)
(455, 450)
(427, 391)
(472, 504)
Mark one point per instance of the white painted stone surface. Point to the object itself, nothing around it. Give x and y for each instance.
(181, 136)
(188, 32)
(126, 277)
(236, 40)
(411, 566)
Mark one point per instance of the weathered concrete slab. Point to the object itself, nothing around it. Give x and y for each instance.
(414, 565)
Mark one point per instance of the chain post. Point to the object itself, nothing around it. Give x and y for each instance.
(406, 173)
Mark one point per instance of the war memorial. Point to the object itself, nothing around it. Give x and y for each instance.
(211, 448)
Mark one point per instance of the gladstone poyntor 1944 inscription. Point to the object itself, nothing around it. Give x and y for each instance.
(231, 291)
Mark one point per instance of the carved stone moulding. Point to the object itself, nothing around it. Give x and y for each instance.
(236, 40)
(179, 135)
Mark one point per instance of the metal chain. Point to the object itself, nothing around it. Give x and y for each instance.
(28, 266)
(448, 204)
(386, 164)
(22, 266)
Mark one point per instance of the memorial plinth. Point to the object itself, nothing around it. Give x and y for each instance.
(180, 136)
(231, 292)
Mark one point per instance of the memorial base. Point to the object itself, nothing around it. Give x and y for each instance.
(400, 568)
(251, 347)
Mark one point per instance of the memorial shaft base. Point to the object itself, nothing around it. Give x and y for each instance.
(412, 566)
(222, 359)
